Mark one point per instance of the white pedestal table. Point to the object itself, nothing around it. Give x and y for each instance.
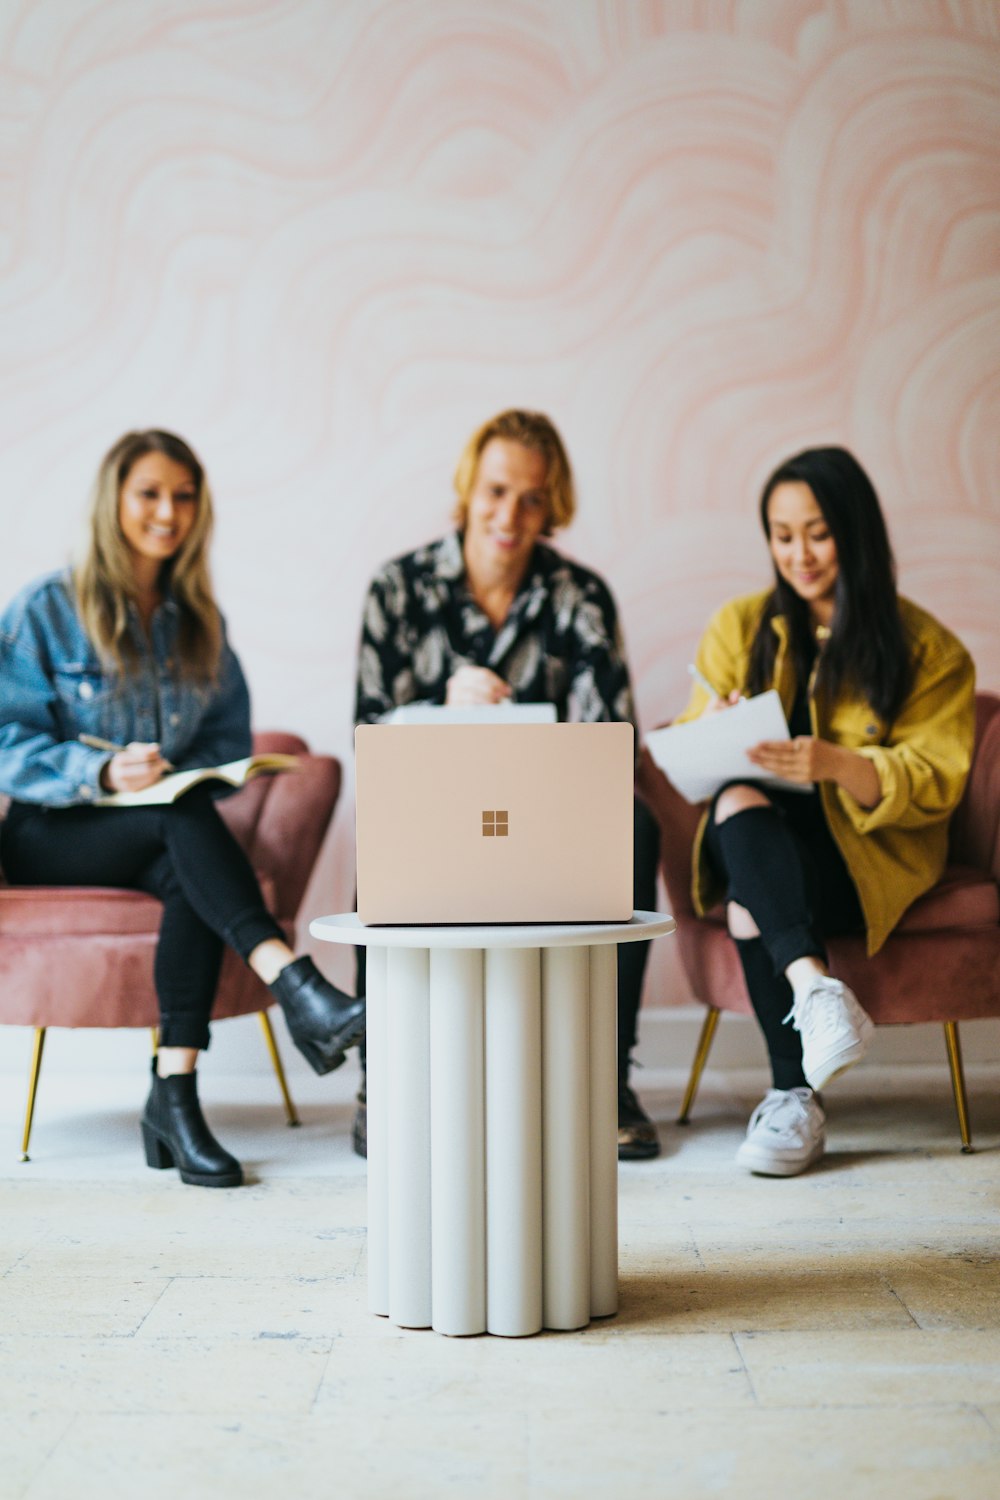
(492, 1121)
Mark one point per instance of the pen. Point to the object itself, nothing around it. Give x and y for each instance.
(703, 681)
(96, 743)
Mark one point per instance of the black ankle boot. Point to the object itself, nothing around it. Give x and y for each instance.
(323, 1020)
(174, 1134)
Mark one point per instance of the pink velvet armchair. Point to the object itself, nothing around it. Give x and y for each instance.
(75, 956)
(942, 963)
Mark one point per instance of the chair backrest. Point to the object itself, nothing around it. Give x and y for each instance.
(678, 822)
(281, 821)
(975, 828)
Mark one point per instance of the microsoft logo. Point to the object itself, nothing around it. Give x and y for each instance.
(495, 824)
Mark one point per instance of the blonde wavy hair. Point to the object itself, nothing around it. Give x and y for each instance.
(104, 579)
(534, 430)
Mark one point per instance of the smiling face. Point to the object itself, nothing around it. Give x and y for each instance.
(803, 548)
(508, 507)
(157, 507)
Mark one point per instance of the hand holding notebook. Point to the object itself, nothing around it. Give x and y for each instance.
(234, 773)
(703, 755)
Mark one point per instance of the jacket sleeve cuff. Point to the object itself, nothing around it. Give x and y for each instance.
(85, 769)
(895, 788)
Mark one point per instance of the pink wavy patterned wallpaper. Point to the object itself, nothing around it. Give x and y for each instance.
(324, 240)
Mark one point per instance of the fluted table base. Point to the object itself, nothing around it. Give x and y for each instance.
(492, 1137)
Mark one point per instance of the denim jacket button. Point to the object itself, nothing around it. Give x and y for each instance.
(86, 690)
(175, 719)
(86, 792)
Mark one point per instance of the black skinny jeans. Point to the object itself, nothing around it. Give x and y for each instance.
(182, 853)
(782, 864)
(632, 957)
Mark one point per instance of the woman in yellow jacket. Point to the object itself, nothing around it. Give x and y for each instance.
(879, 699)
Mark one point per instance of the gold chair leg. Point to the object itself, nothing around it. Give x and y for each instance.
(36, 1068)
(958, 1082)
(700, 1059)
(272, 1047)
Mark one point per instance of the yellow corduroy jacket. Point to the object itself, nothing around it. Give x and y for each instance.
(897, 850)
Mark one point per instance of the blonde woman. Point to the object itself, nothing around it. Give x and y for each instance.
(129, 647)
(492, 612)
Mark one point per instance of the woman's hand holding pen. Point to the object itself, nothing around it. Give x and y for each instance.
(133, 768)
(716, 702)
(718, 705)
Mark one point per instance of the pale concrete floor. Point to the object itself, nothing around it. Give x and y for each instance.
(832, 1335)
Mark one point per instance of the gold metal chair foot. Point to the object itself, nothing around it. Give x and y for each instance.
(33, 1076)
(954, 1047)
(291, 1113)
(697, 1067)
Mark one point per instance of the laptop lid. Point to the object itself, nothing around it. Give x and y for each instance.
(494, 823)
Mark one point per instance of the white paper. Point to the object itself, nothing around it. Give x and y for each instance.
(701, 756)
(478, 713)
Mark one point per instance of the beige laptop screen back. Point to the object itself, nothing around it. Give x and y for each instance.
(494, 823)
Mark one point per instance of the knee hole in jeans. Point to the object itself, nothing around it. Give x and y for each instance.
(737, 799)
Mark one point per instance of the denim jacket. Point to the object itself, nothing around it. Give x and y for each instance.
(54, 687)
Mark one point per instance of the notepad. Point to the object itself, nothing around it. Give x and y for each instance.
(701, 756)
(474, 713)
(234, 773)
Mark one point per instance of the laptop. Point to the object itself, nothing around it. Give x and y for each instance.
(491, 823)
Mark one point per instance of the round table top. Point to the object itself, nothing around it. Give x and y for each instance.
(346, 928)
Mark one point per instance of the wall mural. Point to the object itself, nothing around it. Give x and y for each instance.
(323, 241)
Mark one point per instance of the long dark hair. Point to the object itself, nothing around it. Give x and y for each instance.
(867, 648)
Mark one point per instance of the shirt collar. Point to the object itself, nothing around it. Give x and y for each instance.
(449, 563)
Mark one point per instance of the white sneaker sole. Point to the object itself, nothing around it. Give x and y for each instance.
(764, 1163)
(829, 1068)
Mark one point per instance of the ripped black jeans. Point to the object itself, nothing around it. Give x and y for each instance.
(782, 864)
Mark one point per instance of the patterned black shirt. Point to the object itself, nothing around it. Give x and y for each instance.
(560, 642)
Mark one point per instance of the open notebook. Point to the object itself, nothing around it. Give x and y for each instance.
(169, 788)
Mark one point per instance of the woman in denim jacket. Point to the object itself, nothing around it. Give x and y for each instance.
(129, 648)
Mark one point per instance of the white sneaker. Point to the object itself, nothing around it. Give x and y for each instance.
(786, 1134)
(836, 1033)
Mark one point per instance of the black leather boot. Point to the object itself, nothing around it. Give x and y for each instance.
(175, 1134)
(637, 1137)
(323, 1021)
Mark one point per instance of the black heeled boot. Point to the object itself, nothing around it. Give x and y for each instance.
(323, 1021)
(175, 1134)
